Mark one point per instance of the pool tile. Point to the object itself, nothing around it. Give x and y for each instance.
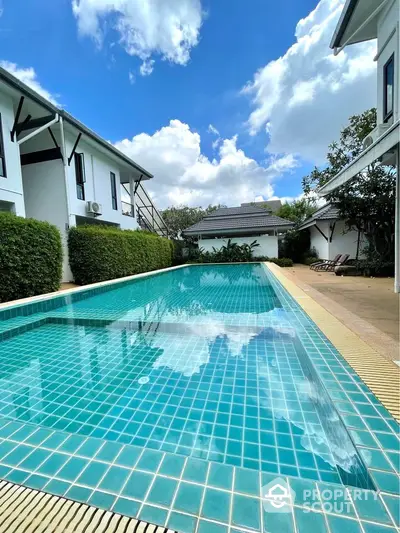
(80, 494)
(102, 499)
(310, 521)
(387, 482)
(126, 507)
(35, 481)
(162, 491)
(370, 507)
(114, 479)
(195, 470)
(57, 487)
(188, 498)
(377, 528)
(72, 468)
(393, 504)
(92, 474)
(338, 524)
(216, 505)
(211, 527)
(154, 515)
(182, 523)
(220, 476)
(246, 512)
(137, 485)
(247, 482)
(279, 522)
(150, 460)
(128, 456)
(109, 452)
(53, 464)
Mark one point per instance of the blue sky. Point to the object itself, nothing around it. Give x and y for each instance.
(244, 67)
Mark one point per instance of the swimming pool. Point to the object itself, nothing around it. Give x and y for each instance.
(208, 368)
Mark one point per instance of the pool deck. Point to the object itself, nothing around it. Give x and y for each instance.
(363, 346)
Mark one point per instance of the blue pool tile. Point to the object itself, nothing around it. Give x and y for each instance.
(188, 498)
(80, 494)
(338, 524)
(126, 507)
(377, 528)
(137, 485)
(57, 487)
(114, 479)
(89, 448)
(182, 523)
(53, 464)
(388, 441)
(72, 468)
(220, 476)
(172, 465)
(310, 521)
(35, 481)
(195, 470)
(33, 460)
(128, 456)
(162, 491)
(279, 522)
(386, 481)
(247, 482)
(375, 459)
(150, 460)
(92, 474)
(71, 444)
(370, 507)
(393, 504)
(108, 452)
(154, 515)
(17, 454)
(246, 512)
(211, 527)
(102, 499)
(216, 505)
(17, 476)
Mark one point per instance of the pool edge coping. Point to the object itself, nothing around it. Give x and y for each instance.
(356, 351)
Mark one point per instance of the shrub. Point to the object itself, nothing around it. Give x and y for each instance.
(281, 261)
(97, 253)
(232, 252)
(30, 257)
(296, 245)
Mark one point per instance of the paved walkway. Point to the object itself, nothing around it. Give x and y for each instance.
(368, 306)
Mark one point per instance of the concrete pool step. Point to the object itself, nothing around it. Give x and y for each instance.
(24, 510)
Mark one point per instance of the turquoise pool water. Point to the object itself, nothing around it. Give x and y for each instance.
(155, 396)
(200, 362)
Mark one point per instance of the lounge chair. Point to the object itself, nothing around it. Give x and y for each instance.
(319, 262)
(330, 267)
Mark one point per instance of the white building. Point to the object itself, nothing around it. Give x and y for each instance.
(54, 168)
(330, 236)
(242, 225)
(363, 20)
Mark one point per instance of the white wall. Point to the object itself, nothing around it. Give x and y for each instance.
(268, 244)
(388, 21)
(11, 186)
(97, 186)
(45, 199)
(317, 240)
(342, 243)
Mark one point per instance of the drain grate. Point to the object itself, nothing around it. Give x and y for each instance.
(24, 510)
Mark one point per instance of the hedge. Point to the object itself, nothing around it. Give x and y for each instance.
(30, 257)
(99, 253)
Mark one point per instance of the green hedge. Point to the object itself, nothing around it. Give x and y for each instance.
(30, 257)
(99, 253)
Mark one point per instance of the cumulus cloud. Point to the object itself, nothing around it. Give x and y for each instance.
(29, 77)
(169, 28)
(147, 67)
(183, 175)
(305, 97)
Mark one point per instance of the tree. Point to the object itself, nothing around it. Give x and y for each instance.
(367, 202)
(181, 217)
(298, 210)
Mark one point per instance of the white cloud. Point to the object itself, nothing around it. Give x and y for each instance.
(169, 28)
(183, 175)
(132, 78)
(147, 67)
(29, 77)
(305, 97)
(212, 129)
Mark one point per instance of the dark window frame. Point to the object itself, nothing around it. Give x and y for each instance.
(114, 196)
(387, 115)
(2, 152)
(80, 176)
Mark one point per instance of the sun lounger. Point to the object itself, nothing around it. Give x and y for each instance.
(319, 262)
(330, 267)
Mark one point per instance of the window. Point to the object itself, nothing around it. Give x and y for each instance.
(114, 200)
(388, 89)
(80, 175)
(2, 154)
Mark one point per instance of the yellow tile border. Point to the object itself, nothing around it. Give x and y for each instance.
(379, 374)
(32, 511)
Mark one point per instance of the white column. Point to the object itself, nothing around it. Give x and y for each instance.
(397, 225)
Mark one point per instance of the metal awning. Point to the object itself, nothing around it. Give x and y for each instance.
(381, 146)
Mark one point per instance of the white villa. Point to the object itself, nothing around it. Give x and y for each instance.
(54, 168)
(329, 234)
(362, 20)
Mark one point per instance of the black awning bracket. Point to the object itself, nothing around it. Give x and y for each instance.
(74, 148)
(16, 119)
(321, 232)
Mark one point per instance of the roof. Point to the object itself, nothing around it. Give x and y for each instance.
(357, 23)
(326, 212)
(19, 86)
(242, 219)
(271, 205)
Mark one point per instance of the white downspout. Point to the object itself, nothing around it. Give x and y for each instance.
(71, 218)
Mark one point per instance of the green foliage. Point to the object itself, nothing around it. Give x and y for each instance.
(30, 257)
(367, 202)
(298, 210)
(179, 218)
(97, 253)
(296, 245)
(281, 261)
(232, 252)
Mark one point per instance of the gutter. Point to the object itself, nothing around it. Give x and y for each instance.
(16, 84)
